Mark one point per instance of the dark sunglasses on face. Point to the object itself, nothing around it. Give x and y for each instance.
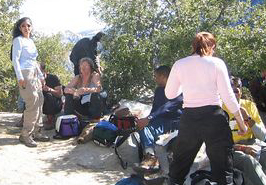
(26, 25)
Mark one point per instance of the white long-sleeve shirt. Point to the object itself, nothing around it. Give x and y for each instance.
(203, 81)
(24, 54)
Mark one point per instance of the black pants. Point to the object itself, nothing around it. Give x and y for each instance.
(92, 109)
(52, 105)
(207, 124)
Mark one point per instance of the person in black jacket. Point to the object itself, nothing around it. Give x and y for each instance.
(163, 118)
(85, 47)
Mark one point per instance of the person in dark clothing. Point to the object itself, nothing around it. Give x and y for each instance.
(164, 118)
(85, 47)
(52, 92)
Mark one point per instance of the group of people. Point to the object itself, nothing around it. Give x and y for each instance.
(42, 92)
(199, 100)
(195, 97)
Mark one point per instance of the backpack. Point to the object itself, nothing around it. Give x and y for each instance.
(124, 123)
(104, 133)
(205, 176)
(126, 127)
(135, 179)
(115, 132)
(132, 180)
(67, 126)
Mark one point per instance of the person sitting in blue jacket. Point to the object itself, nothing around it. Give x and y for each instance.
(163, 118)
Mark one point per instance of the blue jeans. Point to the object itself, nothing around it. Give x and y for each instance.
(150, 134)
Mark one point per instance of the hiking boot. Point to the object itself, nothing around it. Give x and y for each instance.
(38, 136)
(150, 164)
(28, 141)
(50, 123)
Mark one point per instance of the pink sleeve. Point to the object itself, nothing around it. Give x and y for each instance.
(225, 89)
(173, 88)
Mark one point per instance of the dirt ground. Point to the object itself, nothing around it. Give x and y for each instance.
(56, 162)
(60, 162)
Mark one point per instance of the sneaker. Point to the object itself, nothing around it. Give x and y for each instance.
(150, 164)
(41, 137)
(28, 141)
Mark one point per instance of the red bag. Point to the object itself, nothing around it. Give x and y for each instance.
(124, 123)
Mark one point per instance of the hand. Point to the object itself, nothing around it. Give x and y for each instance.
(250, 150)
(240, 122)
(242, 130)
(43, 82)
(22, 83)
(45, 88)
(246, 117)
(69, 90)
(141, 123)
(81, 91)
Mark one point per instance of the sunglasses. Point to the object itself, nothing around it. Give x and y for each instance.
(26, 25)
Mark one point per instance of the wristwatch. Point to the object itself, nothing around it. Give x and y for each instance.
(149, 117)
(248, 119)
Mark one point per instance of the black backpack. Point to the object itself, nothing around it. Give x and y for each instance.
(135, 179)
(126, 127)
(104, 134)
(201, 175)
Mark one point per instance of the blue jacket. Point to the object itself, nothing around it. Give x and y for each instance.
(165, 108)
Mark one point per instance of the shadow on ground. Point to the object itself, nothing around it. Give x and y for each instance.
(61, 156)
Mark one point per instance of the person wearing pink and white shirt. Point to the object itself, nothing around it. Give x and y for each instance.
(204, 82)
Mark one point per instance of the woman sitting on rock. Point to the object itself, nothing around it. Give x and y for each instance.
(82, 94)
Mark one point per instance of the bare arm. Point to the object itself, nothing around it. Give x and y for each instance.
(70, 88)
(96, 79)
(56, 91)
(247, 149)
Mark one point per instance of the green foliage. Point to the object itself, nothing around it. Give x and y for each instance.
(51, 51)
(9, 12)
(143, 33)
(243, 46)
(54, 54)
(246, 94)
(127, 68)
